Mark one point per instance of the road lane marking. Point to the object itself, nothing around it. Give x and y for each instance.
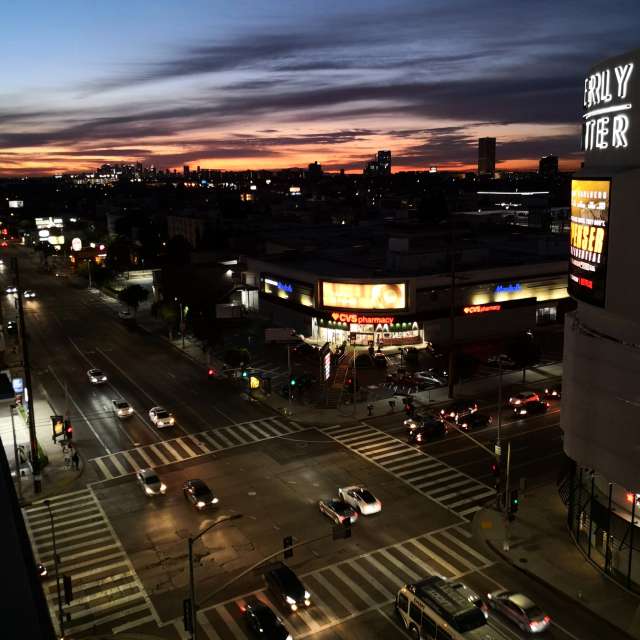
(156, 450)
(81, 412)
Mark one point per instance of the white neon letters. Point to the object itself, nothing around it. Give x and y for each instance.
(605, 124)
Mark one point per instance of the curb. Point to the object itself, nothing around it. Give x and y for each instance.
(562, 594)
(56, 489)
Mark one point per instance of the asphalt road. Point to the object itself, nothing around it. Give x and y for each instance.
(127, 552)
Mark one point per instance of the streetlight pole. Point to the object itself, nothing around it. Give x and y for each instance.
(15, 451)
(55, 563)
(192, 585)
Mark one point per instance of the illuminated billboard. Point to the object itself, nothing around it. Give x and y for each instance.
(345, 295)
(590, 204)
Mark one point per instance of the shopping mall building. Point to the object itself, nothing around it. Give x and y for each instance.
(601, 386)
(391, 284)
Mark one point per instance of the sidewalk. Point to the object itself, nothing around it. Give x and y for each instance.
(541, 547)
(55, 477)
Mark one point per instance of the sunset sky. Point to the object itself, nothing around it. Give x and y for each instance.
(246, 84)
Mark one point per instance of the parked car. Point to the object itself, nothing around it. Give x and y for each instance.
(380, 360)
(426, 431)
(475, 421)
(459, 409)
(264, 623)
(431, 377)
(161, 417)
(28, 293)
(122, 408)
(361, 499)
(338, 510)
(522, 611)
(507, 362)
(285, 584)
(523, 397)
(553, 392)
(11, 289)
(531, 408)
(198, 494)
(96, 376)
(12, 327)
(412, 423)
(150, 482)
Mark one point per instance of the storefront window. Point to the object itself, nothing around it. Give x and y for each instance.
(546, 314)
(368, 334)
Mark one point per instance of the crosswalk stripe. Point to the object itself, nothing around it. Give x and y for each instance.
(405, 552)
(134, 465)
(297, 425)
(58, 506)
(84, 554)
(131, 624)
(417, 471)
(335, 427)
(340, 597)
(261, 433)
(434, 556)
(353, 586)
(377, 457)
(392, 577)
(45, 539)
(73, 547)
(101, 465)
(410, 460)
(270, 429)
(380, 446)
(208, 629)
(231, 624)
(412, 574)
(78, 628)
(457, 494)
(116, 463)
(183, 443)
(470, 510)
(146, 458)
(218, 434)
(77, 602)
(212, 442)
(93, 572)
(161, 456)
(448, 487)
(479, 496)
(423, 480)
(171, 450)
(378, 586)
(46, 527)
(281, 425)
(466, 547)
(451, 552)
(248, 433)
(364, 438)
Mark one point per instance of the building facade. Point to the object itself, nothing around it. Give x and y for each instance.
(486, 157)
(601, 397)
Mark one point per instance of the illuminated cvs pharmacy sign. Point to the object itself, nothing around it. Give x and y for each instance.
(607, 108)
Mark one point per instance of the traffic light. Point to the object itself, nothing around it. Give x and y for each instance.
(293, 381)
(495, 472)
(244, 373)
(211, 373)
(68, 430)
(513, 501)
(287, 543)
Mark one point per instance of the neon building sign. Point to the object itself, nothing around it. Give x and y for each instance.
(482, 308)
(354, 318)
(605, 94)
(508, 288)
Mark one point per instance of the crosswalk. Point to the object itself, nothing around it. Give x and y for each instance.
(191, 446)
(446, 485)
(107, 593)
(351, 587)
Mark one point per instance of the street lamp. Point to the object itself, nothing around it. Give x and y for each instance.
(55, 563)
(181, 320)
(192, 586)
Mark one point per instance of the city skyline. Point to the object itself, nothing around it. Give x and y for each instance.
(270, 87)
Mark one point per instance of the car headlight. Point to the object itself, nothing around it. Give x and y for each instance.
(163, 487)
(148, 491)
(307, 595)
(290, 600)
(199, 504)
(93, 379)
(214, 501)
(289, 637)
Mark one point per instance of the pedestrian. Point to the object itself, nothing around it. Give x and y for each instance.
(370, 409)
(67, 459)
(75, 458)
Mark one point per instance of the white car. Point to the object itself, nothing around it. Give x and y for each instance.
(150, 482)
(122, 408)
(360, 498)
(161, 417)
(28, 293)
(96, 376)
(11, 289)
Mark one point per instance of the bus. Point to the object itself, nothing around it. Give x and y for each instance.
(439, 609)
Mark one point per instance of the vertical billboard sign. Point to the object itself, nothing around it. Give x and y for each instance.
(590, 206)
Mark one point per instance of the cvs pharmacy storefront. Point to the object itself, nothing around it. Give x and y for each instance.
(365, 314)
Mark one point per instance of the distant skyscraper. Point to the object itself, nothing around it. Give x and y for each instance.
(186, 171)
(548, 166)
(315, 170)
(486, 157)
(384, 163)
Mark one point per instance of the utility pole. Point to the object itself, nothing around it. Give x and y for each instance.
(505, 544)
(289, 368)
(355, 381)
(89, 268)
(192, 586)
(452, 306)
(15, 452)
(55, 564)
(28, 388)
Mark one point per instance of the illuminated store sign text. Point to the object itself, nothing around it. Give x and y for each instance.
(606, 124)
(356, 319)
(508, 288)
(482, 308)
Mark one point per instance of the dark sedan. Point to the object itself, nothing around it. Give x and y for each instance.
(198, 494)
(535, 407)
(475, 421)
(427, 430)
(264, 623)
(285, 584)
